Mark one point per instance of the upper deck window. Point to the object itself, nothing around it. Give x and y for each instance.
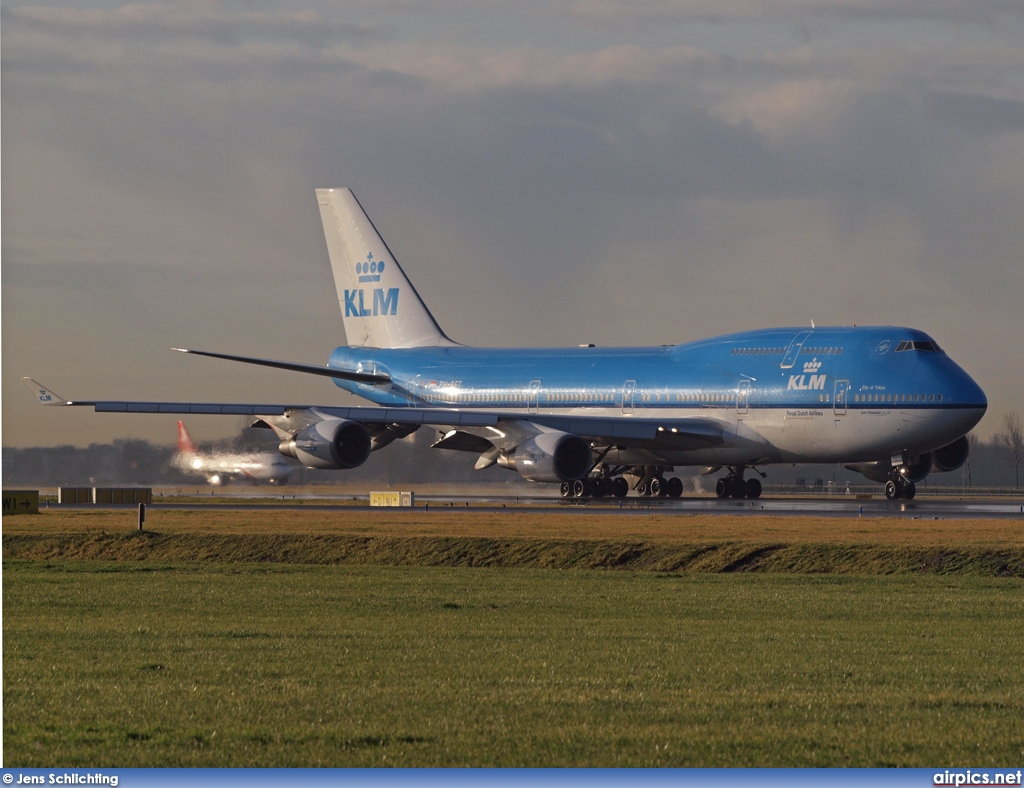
(925, 347)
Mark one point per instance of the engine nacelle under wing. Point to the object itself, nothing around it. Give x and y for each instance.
(331, 444)
(549, 457)
(953, 456)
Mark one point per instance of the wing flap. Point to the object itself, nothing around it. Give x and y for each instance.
(456, 440)
(190, 408)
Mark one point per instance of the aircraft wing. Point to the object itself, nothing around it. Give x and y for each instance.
(680, 434)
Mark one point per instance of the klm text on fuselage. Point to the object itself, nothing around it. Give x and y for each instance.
(806, 382)
(384, 302)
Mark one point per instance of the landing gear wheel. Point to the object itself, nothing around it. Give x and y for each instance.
(579, 488)
(910, 490)
(620, 487)
(892, 492)
(598, 488)
(753, 488)
(739, 488)
(674, 487)
(655, 487)
(642, 489)
(565, 490)
(722, 488)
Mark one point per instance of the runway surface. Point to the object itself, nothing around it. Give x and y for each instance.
(833, 506)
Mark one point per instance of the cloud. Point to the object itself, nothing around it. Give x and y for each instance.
(157, 20)
(547, 175)
(618, 12)
(978, 112)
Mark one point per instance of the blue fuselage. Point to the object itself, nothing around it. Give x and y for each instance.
(789, 394)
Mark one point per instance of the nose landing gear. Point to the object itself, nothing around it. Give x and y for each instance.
(900, 488)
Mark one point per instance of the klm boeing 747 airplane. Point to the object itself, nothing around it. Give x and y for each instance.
(885, 401)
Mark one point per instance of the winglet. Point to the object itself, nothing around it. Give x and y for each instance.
(44, 395)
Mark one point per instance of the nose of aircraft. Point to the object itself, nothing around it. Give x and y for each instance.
(968, 400)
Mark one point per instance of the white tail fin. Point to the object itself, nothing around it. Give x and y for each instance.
(378, 303)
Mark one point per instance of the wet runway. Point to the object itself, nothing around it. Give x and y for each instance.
(830, 506)
(834, 506)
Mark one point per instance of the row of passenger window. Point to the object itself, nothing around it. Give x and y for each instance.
(588, 398)
(778, 351)
(758, 351)
(500, 398)
(897, 398)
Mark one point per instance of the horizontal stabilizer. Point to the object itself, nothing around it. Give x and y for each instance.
(309, 369)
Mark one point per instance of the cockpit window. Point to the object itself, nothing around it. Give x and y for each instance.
(924, 347)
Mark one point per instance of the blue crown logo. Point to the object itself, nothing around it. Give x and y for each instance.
(371, 270)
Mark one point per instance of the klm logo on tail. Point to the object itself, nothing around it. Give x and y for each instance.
(385, 302)
(382, 302)
(371, 270)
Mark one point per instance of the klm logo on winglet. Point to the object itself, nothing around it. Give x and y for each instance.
(801, 382)
(385, 302)
(44, 396)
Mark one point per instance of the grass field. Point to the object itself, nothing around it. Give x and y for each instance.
(143, 659)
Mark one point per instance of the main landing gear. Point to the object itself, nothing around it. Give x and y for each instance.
(735, 486)
(900, 488)
(595, 487)
(651, 483)
(657, 486)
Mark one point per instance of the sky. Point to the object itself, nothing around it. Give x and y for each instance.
(547, 173)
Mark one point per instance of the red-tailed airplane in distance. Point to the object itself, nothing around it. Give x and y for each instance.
(220, 467)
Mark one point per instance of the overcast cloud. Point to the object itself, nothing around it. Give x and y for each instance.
(547, 173)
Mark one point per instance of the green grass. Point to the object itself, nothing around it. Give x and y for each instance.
(651, 555)
(188, 664)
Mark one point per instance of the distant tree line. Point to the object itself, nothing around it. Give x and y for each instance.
(412, 461)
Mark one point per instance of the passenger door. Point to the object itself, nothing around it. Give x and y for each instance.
(628, 395)
(839, 400)
(794, 349)
(534, 401)
(743, 397)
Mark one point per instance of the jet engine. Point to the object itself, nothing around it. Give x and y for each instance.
(951, 457)
(549, 457)
(917, 467)
(330, 444)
